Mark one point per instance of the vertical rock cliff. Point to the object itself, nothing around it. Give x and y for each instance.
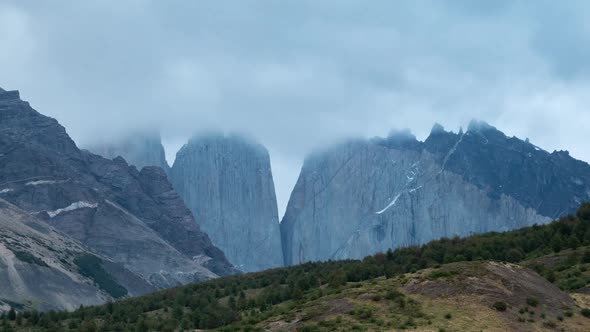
(366, 196)
(227, 183)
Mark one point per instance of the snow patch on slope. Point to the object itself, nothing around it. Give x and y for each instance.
(72, 207)
(392, 203)
(414, 189)
(42, 182)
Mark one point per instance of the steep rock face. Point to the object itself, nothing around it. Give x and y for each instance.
(227, 183)
(552, 183)
(141, 149)
(131, 217)
(38, 266)
(363, 197)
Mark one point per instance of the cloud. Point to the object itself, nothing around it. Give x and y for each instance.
(298, 75)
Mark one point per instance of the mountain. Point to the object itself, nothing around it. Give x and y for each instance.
(140, 149)
(366, 196)
(131, 217)
(40, 267)
(227, 183)
(532, 279)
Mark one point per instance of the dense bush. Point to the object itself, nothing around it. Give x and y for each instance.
(441, 274)
(500, 306)
(533, 302)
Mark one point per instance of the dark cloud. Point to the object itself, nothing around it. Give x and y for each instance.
(301, 74)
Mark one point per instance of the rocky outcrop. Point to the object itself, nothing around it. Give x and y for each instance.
(366, 196)
(140, 149)
(38, 266)
(227, 183)
(131, 217)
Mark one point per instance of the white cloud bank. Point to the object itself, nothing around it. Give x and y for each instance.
(301, 74)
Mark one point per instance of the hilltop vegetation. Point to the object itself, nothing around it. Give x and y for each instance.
(371, 294)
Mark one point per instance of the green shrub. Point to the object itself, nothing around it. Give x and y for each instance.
(585, 312)
(441, 274)
(91, 266)
(363, 313)
(27, 257)
(11, 314)
(584, 212)
(514, 255)
(310, 328)
(500, 306)
(393, 294)
(550, 324)
(533, 302)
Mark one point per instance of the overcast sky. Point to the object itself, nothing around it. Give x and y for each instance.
(298, 75)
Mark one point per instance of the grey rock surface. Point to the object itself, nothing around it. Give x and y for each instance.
(227, 183)
(38, 270)
(366, 196)
(134, 218)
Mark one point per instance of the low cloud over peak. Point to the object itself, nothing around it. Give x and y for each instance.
(299, 75)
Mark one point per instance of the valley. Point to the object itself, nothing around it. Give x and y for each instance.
(294, 166)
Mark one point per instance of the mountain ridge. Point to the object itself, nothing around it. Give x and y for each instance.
(450, 184)
(134, 218)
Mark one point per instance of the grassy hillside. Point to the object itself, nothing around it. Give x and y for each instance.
(382, 292)
(465, 296)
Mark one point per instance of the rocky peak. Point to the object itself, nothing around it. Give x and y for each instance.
(485, 133)
(9, 95)
(226, 181)
(20, 122)
(155, 181)
(227, 141)
(356, 199)
(141, 149)
(130, 217)
(503, 165)
(480, 126)
(437, 128)
(399, 139)
(441, 141)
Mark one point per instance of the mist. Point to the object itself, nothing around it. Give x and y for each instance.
(300, 75)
